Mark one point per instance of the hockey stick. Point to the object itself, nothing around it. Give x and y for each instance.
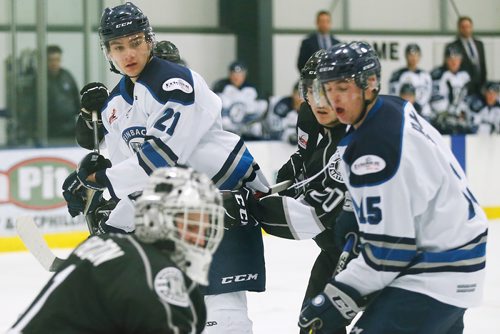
(284, 185)
(91, 193)
(33, 240)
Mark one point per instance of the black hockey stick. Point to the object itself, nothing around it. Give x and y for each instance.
(33, 240)
(91, 193)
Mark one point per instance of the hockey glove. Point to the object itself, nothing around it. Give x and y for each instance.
(76, 195)
(346, 225)
(90, 164)
(291, 170)
(331, 310)
(238, 205)
(94, 96)
(99, 216)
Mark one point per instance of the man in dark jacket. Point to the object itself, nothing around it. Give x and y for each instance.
(320, 39)
(473, 61)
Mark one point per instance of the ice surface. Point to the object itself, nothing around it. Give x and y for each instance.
(274, 311)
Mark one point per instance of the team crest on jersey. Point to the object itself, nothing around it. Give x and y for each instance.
(368, 164)
(302, 139)
(170, 287)
(177, 83)
(334, 167)
(134, 137)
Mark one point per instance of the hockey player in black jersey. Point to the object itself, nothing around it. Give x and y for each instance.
(315, 206)
(147, 283)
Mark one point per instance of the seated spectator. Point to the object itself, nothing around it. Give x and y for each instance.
(418, 78)
(242, 111)
(407, 92)
(449, 92)
(281, 120)
(486, 109)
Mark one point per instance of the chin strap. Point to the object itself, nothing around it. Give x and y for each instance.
(365, 106)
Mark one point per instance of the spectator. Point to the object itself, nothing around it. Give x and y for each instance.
(474, 61)
(63, 98)
(408, 92)
(242, 111)
(449, 90)
(486, 109)
(321, 39)
(416, 77)
(281, 119)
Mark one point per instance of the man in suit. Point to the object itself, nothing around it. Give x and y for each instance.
(474, 61)
(320, 39)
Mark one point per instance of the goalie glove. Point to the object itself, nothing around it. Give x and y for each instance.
(94, 96)
(331, 310)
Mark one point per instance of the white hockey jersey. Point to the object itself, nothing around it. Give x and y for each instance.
(421, 228)
(419, 79)
(449, 91)
(169, 117)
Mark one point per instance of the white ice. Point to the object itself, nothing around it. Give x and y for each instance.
(274, 311)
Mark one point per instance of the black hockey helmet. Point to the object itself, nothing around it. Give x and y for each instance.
(407, 88)
(412, 48)
(123, 20)
(168, 51)
(452, 51)
(308, 72)
(355, 60)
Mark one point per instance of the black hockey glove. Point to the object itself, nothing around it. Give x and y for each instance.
(238, 205)
(291, 170)
(345, 226)
(99, 216)
(94, 95)
(76, 195)
(331, 310)
(90, 164)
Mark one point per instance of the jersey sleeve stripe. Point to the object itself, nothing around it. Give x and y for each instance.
(240, 172)
(154, 154)
(237, 167)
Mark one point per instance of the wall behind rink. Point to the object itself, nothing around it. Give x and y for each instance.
(31, 179)
(390, 48)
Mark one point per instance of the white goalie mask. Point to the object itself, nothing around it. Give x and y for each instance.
(185, 207)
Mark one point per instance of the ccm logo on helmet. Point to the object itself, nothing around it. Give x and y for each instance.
(124, 24)
(239, 278)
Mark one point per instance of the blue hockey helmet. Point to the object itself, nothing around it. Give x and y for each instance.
(123, 20)
(355, 60)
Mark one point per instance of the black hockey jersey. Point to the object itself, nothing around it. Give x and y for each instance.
(116, 284)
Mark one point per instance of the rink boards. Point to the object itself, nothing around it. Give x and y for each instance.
(30, 184)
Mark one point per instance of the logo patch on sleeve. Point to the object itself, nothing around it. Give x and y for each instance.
(303, 137)
(368, 164)
(177, 83)
(170, 287)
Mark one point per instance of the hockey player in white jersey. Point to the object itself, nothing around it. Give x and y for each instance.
(449, 92)
(418, 78)
(423, 234)
(163, 114)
